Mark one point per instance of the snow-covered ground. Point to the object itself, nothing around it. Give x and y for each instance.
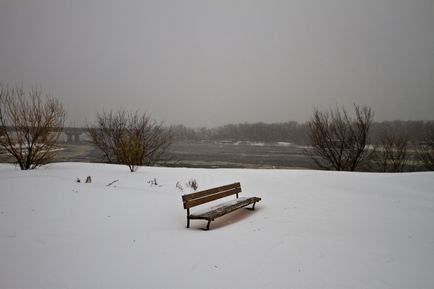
(312, 229)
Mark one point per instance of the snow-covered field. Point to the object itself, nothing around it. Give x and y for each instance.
(312, 229)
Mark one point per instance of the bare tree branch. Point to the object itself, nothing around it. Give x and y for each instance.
(129, 138)
(425, 151)
(30, 126)
(338, 141)
(391, 155)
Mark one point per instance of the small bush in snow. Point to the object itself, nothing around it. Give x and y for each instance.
(179, 187)
(153, 182)
(192, 183)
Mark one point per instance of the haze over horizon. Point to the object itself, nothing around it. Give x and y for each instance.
(209, 63)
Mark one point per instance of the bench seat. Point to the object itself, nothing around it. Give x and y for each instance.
(224, 208)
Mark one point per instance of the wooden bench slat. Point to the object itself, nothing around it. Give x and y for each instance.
(209, 198)
(201, 194)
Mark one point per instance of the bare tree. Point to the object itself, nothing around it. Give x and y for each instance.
(425, 151)
(129, 138)
(338, 141)
(30, 126)
(391, 155)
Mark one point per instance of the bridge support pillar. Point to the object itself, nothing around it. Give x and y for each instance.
(69, 138)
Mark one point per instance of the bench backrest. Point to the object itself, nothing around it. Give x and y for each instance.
(199, 198)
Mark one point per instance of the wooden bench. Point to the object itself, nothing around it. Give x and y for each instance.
(210, 214)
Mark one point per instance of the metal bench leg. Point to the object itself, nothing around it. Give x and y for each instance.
(207, 226)
(252, 208)
(188, 219)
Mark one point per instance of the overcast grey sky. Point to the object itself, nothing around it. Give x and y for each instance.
(208, 63)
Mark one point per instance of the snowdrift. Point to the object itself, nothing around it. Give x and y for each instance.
(312, 229)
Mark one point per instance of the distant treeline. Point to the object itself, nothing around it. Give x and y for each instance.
(415, 131)
(293, 132)
(255, 132)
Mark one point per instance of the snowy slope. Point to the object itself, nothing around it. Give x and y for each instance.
(312, 229)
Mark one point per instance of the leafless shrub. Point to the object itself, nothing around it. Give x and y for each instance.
(192, 183)
(179, 186)
(153, 182)
(129, 138)
(391, 155)
(425, 151)
(29, 126)
(338, 141)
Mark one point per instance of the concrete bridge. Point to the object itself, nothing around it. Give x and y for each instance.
(73, 133)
